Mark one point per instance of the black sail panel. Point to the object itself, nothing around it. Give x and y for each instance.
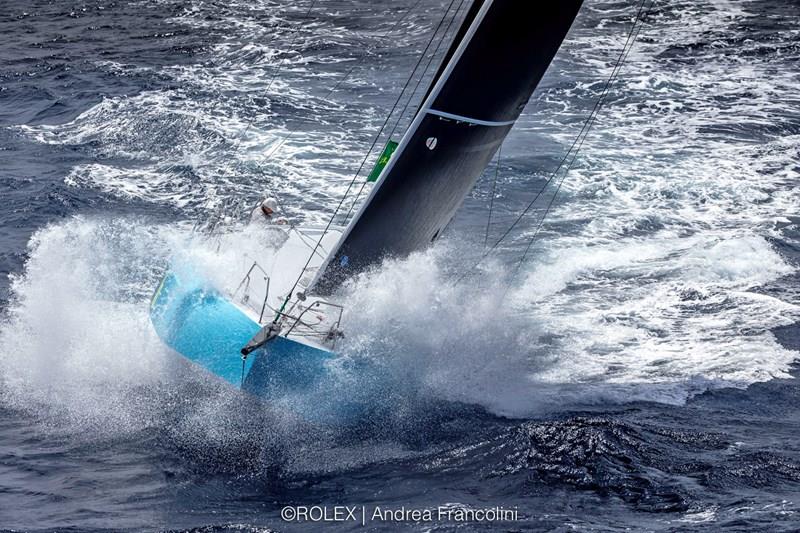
(470, 110)
(469, 18)
(506, 58)
(421, 215)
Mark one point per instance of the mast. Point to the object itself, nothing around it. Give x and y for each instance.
(500, 54)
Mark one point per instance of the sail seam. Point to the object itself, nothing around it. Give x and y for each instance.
(469, 120)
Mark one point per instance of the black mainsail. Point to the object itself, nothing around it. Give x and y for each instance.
(498, 58)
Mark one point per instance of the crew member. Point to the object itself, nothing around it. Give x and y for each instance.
(267, 212)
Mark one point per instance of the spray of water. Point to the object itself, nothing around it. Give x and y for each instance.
(649, 288)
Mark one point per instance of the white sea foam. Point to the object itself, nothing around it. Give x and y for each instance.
(646, 285)
(617, 322)
(78, 350)
(75, 337)
(170, 150)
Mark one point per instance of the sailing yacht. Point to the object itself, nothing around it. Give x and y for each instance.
(277, 331)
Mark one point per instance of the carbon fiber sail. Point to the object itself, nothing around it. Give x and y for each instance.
(498, 58)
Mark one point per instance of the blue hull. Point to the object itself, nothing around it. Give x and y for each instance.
(207, 329)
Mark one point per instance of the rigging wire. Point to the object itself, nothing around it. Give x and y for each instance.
(359, 62)
(427, 66)
(411, 96)
(494, 190)
(576, 144)
(361, 166)
(632, 37)
(615, 72)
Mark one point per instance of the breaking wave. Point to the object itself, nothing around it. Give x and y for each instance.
(647, 285)
(656, 323)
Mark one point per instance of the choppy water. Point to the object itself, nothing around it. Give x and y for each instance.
(638, 376)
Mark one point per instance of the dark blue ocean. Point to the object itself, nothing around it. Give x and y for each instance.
(635, 374)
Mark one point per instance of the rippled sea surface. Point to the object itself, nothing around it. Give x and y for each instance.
(634, 374)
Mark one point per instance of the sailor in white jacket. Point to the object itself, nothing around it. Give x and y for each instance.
(267, 212)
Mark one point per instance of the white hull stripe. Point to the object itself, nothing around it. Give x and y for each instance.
(468, 119)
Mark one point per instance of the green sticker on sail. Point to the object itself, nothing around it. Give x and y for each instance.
(388, 150)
